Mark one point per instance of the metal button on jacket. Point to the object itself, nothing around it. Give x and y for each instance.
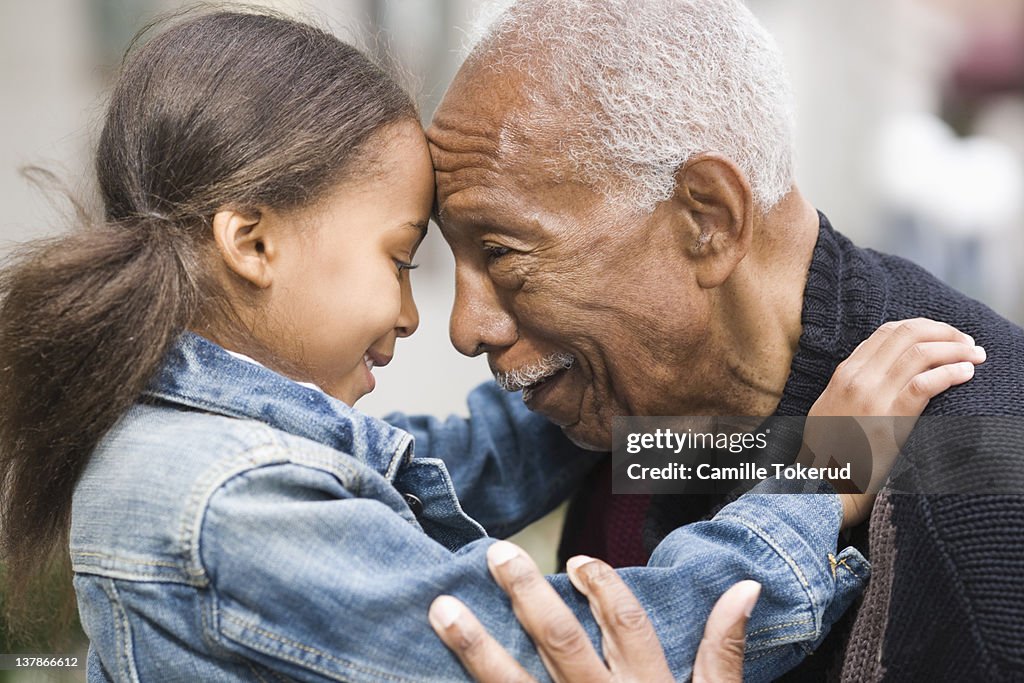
(414, 503)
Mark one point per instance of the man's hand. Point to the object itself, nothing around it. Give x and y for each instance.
(631, 648)
(720, 655)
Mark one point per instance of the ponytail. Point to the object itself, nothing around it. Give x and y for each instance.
(220, 109)
(85, 321)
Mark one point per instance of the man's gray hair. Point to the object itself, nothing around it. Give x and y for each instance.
(648, 84)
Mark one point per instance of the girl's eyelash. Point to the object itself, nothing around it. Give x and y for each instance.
(402, 265)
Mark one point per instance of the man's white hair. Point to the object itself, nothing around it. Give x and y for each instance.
(648, 84)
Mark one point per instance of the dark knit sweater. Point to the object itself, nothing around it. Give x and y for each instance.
(947, 594)
(946, 599)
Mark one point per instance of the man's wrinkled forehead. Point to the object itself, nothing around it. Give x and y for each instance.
(489, 129)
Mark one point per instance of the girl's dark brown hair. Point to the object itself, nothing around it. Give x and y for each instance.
(220, 109)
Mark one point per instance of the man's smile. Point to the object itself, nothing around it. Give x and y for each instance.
(531, 375)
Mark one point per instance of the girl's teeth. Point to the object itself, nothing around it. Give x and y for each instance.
(369, 363)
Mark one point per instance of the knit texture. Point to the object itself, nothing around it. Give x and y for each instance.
(946, 600)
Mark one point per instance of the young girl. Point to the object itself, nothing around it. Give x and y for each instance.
(177, 382)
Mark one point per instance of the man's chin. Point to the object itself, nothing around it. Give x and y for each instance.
(588, 439)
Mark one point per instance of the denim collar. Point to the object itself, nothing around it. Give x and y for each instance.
(198, 374)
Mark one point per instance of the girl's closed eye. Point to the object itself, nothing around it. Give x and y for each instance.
(405, 265)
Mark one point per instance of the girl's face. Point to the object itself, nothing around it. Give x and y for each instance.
(341, 295)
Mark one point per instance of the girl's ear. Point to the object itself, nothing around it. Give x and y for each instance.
(244, 245)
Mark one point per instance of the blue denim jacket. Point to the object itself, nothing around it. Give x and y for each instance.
(235, 526)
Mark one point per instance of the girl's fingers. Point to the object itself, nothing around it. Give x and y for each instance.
(484, 658)
(924, 356)
(631, 646)
(889, 341)
(562, 642)
(926, 385)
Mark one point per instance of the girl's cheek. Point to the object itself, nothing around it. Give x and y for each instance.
(388, 302)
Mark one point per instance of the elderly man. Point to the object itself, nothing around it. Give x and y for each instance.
(615, 181)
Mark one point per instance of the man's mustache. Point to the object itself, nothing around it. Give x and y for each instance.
(528, 375)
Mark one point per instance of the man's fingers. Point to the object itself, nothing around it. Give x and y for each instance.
(631, 646)
(720, 655)
(562, 642)
(484, 658)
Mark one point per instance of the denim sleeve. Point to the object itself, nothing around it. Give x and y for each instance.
(509, 466)
(312, 583)
(787, 542)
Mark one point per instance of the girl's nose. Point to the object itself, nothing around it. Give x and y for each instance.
(409, 316)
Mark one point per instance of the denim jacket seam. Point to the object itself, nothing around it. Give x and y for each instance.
(817, 612)
(401, 452)
(273, 452)
(843, 564)
(209, 618)
(122, 628)
(288, 642)
(126, 560)
(195, 401)
(203, 489)
(770, 540)
(776, 627)
(183, 574)
(446, 478)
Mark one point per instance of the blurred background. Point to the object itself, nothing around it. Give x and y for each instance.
(910, 138)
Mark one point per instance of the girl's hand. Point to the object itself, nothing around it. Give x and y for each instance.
(632, 652)
(884, 385)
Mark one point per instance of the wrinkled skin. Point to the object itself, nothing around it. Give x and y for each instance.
(674, 311)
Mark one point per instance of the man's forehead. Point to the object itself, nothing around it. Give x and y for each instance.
(477, 170)
(499, 111)
(481, 96)
(495, 144)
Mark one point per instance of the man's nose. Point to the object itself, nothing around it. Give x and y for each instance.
(479, 323)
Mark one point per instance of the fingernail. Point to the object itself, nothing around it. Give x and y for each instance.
(445, 610)
(752, 591)
(501, 552)
(970, 339)
(967, 367)
(979, 351)
(576, 562)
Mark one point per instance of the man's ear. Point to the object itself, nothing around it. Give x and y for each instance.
(244, 244)
(715, 203)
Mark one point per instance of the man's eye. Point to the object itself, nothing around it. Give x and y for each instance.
(494, 252)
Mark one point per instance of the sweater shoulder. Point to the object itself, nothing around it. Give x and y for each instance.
(998, 384)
